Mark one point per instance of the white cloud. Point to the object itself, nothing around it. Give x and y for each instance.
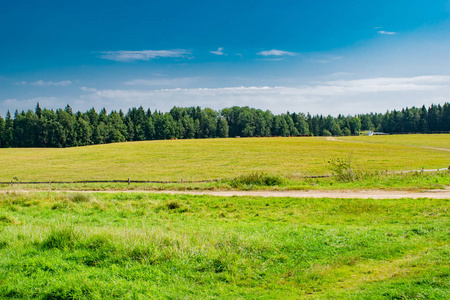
(51, 83)
(339, 74)
(325, 97)
(386, 32)
(218, 52)
(46, 83)
(26, 104)
(329, 97)
(275, 52)
(129, 56)
(86, 89)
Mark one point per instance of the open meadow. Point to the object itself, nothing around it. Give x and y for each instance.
(224, 158)
(148, 246)
(416, 140)
(159, 246)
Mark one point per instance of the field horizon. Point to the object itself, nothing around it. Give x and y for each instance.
(207, 159)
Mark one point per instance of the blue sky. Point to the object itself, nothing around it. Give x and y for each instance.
(325, 56)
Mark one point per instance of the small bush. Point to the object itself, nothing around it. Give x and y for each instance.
(258, 179)
(342, 169)
(325, 132)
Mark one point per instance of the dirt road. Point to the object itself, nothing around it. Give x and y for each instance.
(345, 194)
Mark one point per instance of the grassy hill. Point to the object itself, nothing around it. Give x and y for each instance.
(222, 158)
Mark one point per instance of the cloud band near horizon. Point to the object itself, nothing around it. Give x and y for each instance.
(329, 97)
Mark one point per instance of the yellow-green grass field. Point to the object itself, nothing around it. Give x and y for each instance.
(223, 158)
(417, 140)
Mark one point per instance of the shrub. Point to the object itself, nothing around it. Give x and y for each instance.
(342, 169)
(326, 133)
(258, 179)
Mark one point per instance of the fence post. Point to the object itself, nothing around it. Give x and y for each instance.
(129, 182)
(423, 170)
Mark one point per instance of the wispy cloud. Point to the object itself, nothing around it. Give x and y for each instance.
(26, 104)
(46, 83)
(51, 83)
(129, 56)
(218, 52)
(327, 97)
(176, 82)
(326, 59)
(275, 52)
(272, 59)
(322, 97)
(386, 32)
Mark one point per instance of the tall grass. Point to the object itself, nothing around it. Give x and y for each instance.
(140, 246)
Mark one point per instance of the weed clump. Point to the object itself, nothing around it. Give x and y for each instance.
(342, 169)
(78, 198)
(7, 220)
(60, 239)
(173, 205)
(257, 179)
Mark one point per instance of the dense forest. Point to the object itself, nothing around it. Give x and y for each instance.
(64, 128)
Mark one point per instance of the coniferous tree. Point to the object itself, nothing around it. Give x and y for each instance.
(2, 129)
(63, 128)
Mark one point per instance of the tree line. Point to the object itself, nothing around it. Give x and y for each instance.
(64, 128)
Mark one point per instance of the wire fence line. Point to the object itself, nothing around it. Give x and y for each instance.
(108, 181)
(129, 181)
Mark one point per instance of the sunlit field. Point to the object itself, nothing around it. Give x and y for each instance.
(223, 158)
(419, 140)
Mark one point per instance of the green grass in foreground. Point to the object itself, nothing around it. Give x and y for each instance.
(221, 158)
(141, 246)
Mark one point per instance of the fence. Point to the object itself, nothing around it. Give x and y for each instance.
(129, 181)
